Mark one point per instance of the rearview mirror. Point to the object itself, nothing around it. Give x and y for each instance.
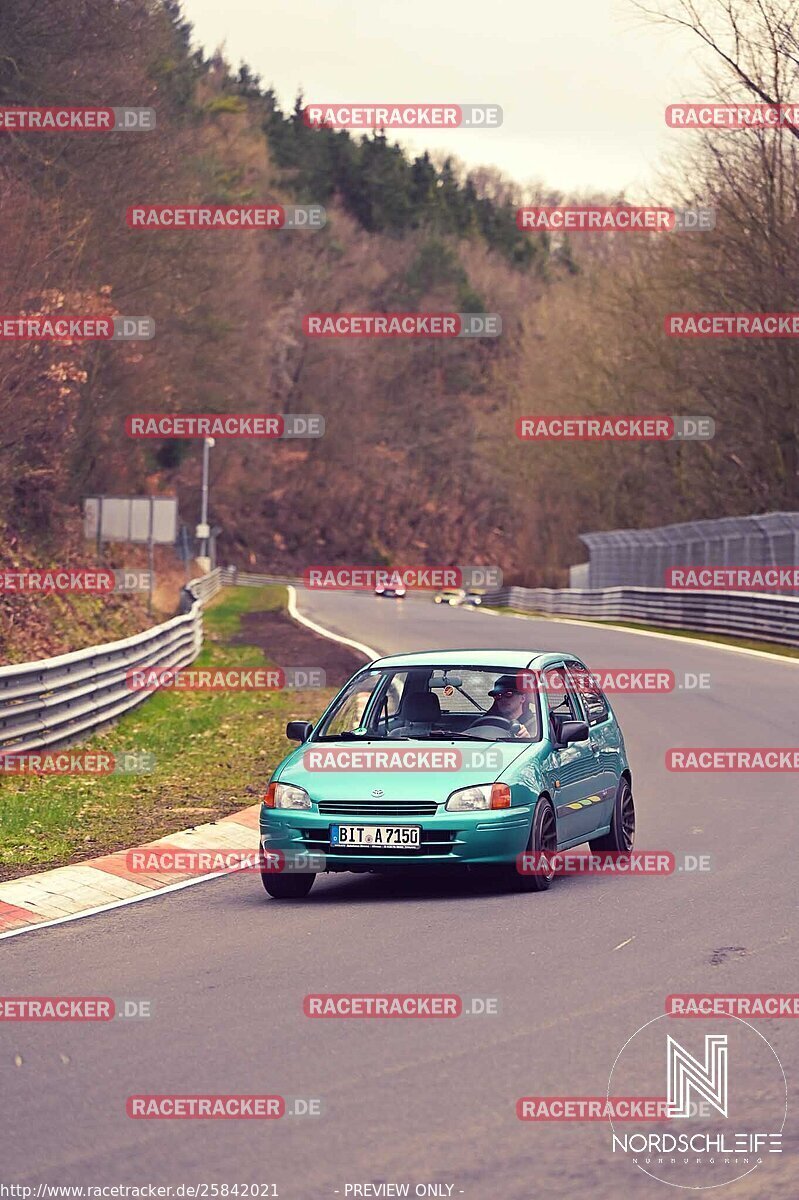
(439, 680)
(299, 731)
(573, 731)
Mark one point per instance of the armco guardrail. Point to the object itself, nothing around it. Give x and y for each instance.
(59, 700)
(756, 616)
(230, 575)
(206, 586)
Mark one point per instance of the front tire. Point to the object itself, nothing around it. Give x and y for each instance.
(543, 837)
(621, 836)
(294, 886)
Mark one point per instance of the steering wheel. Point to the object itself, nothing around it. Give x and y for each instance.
(492, 720)
(487, 727)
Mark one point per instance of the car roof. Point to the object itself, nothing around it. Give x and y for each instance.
(511, 659)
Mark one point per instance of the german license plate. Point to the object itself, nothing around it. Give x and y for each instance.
(377, 837)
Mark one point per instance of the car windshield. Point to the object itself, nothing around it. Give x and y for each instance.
(431, 703)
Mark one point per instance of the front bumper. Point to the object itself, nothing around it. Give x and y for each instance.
(490, 836)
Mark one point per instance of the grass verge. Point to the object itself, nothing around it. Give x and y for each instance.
(213, 753)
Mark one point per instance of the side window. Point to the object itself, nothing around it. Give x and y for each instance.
(394, 694)
(391, 701)
(594, 701)
(351, 706)
(561, 701)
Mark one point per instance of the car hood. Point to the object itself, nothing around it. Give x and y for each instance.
(329, 774)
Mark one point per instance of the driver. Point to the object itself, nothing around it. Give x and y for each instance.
(509, 706)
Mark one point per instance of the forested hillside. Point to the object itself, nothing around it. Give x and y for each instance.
(420, 461)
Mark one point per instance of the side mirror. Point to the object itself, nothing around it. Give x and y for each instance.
(573, 731)
(300, 731)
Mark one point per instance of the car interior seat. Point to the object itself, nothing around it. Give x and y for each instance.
(419, 713)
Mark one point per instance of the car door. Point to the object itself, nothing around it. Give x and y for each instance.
(604, 741)
(572, 770)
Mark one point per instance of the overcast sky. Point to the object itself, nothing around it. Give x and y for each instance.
(583, 83)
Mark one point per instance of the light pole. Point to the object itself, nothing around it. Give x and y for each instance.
(203, 531)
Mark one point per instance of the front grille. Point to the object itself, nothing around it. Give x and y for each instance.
(379, 808)
(433, 841)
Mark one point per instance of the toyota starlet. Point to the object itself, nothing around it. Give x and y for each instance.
(476, 758)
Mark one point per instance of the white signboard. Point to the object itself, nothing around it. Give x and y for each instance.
(131, 519)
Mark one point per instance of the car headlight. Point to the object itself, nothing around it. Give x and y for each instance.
(286, 795)
(479, 796)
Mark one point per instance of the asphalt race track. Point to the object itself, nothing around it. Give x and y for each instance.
(576, 971)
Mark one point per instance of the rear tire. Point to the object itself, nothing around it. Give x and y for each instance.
(543, 836)
(621, 835)
(294, 886)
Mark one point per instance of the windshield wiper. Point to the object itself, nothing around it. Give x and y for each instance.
(470, 737)
(347, 736)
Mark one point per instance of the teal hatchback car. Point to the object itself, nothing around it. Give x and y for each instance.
(449, 757)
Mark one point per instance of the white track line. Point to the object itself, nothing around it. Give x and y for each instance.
(334, 637)
(90, 912)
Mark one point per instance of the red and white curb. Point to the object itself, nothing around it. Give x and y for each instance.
(99, 884)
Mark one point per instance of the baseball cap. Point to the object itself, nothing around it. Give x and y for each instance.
(505, 683)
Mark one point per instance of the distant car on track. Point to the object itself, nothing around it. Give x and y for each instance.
(452, 596)
(395, 593)
(474, 597)
(528, 769)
